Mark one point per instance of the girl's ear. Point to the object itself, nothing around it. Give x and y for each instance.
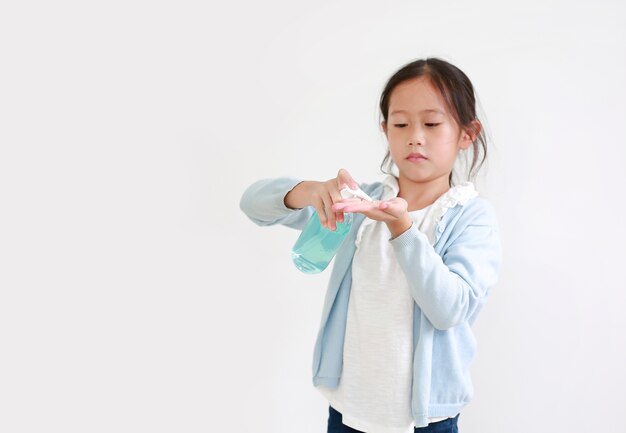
(469, 135)
(383, 124)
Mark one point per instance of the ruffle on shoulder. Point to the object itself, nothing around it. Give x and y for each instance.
(457, 195)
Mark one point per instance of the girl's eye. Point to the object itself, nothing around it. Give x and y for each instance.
(400, 125)
(433, 124)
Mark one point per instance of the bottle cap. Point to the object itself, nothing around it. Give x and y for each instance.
(348, 192)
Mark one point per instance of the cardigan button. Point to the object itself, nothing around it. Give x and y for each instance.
(440, 229)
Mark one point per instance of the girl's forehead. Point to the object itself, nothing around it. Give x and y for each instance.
(416, 95)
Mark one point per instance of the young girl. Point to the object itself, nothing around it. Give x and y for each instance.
(395, 343)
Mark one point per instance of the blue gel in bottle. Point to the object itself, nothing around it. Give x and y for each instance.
(317, 245)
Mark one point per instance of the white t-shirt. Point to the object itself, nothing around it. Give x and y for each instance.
(374, 391)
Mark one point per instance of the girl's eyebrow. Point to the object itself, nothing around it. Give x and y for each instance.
(423, 111)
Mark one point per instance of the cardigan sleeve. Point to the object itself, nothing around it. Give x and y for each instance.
(452, 287)
(263, 202)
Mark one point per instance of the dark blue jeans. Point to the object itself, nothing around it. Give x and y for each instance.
(446, 426)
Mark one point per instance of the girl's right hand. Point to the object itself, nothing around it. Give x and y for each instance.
(322, 196)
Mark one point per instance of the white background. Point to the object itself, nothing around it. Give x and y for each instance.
(136, 296)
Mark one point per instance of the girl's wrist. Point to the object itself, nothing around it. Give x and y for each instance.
(399, 226)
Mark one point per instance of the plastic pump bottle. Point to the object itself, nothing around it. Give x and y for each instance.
(317, 245)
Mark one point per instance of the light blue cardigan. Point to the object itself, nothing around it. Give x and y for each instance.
(449, 282)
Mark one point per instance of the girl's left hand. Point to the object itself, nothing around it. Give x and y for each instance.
(388, 211)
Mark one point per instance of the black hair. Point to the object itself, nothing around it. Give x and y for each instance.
(458, 94)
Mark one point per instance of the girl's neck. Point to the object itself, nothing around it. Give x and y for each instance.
(419, 195)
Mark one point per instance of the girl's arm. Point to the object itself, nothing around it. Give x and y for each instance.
(264, 203)
(450, 289)
(290, 201)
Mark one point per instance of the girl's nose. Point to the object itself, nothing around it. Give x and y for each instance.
(416, 137)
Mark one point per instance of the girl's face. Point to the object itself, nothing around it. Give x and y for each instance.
(419, 122)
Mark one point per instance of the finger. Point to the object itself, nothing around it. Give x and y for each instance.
(382, 205)
(345, 178)
(363, 205)
(359, 207)
(319, 208)
(340, 205)
(390, 208)
(395, 206)
(330, 215)
(320, 213)
(336, 197)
